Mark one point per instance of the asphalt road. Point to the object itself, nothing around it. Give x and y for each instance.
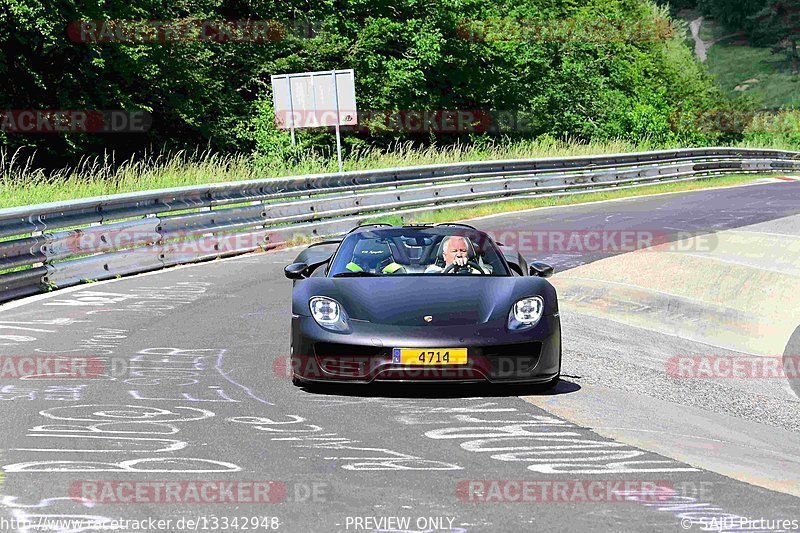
(193, 388)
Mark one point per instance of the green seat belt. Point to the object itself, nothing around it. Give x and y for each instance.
(391, 268)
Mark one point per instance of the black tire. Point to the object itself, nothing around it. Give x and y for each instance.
(548, 386)
(300, 382)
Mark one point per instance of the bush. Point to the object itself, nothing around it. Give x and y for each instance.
(779, 130)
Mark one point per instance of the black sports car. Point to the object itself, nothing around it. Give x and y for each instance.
(418, 303)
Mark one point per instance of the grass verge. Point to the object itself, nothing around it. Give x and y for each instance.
(19, 185)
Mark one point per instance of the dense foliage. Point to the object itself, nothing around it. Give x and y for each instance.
(590, 70)
(778, 24)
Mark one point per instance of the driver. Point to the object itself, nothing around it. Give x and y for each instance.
(455, 250)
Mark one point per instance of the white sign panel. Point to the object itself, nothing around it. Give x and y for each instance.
(315, 99)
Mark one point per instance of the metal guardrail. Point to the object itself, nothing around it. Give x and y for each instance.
(64, 243)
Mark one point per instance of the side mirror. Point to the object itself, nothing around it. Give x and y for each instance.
(543, 270)
(296, 271)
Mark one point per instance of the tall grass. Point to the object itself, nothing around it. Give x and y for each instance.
(20, 184)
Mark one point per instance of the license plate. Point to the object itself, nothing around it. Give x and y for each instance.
(426, 356)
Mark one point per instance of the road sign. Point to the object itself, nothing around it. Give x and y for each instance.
(315, 100)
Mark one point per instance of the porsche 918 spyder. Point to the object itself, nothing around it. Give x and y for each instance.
(421, 303)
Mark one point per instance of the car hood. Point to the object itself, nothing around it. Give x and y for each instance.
(407, 300)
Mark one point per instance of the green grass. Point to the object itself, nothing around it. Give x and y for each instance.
(732, 64)
(464, 213)
(19, 185)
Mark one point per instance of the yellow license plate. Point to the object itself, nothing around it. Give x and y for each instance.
(433, 356)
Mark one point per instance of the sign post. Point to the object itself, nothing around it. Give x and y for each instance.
(339, 147)
(291, 113)
(338, 134)
(316, 100)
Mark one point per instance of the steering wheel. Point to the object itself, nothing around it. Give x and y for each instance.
(463, 268)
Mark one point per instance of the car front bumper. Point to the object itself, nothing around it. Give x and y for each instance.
(494, 353)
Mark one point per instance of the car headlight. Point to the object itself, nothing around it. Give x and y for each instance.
(525, 313)
(328, 313)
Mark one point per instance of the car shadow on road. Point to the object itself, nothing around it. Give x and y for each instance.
(440, 390)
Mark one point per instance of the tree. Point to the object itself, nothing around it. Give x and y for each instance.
(778, 25)
(588, 69)
(736, 15)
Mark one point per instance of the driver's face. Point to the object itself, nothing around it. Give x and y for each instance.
(455, 251)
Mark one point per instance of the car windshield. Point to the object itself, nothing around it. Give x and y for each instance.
(417, 251)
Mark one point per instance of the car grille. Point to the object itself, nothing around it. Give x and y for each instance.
(330, 349)
(346, 359)
(513, 361)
